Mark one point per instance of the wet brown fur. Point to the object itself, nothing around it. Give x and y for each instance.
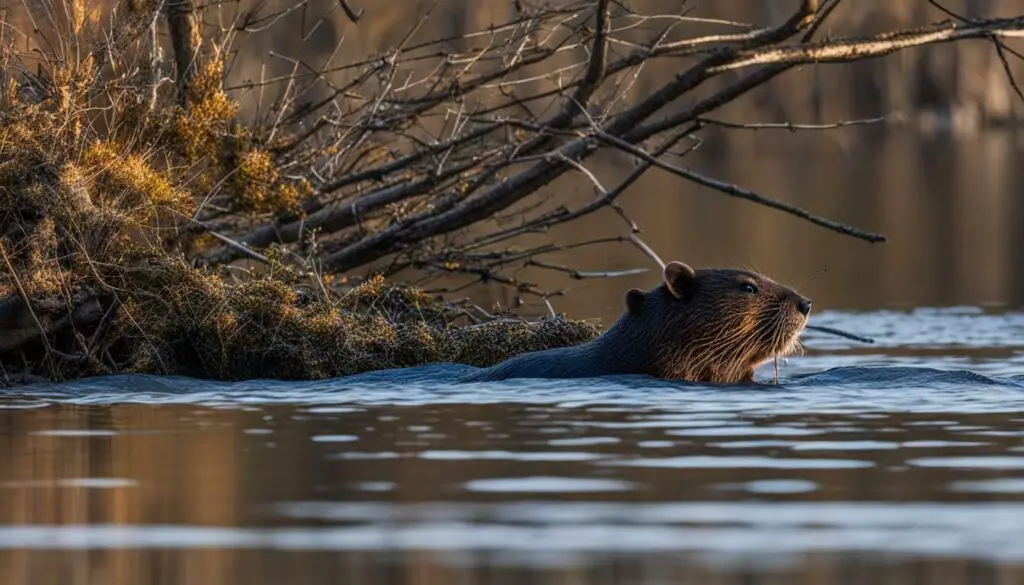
(715, 331)
(701, 326)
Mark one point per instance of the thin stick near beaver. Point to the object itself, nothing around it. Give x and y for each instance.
(710, 325)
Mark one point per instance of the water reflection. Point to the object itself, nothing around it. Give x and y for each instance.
(501, 492)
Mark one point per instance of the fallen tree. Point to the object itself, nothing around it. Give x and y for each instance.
(147, 227)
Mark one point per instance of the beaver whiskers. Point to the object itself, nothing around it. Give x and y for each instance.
(730, 323)
(710, 325)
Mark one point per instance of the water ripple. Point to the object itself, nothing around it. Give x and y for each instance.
(911, 445)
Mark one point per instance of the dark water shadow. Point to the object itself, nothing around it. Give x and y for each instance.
(894, 387)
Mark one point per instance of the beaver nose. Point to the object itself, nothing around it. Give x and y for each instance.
(803, 305)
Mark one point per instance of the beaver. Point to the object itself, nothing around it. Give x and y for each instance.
(710, 325)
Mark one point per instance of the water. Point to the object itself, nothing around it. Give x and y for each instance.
(903, 458)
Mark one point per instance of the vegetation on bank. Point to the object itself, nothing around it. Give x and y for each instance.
(100, 184)
(149, 222)
(91, 237)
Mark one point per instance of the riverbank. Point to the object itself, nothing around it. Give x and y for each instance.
(159, 315)
(98, 241)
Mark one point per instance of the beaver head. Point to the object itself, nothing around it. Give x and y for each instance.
(718, 325)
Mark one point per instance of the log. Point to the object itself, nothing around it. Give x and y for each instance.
(18, 330)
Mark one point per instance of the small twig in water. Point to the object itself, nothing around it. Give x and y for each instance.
(840, 333)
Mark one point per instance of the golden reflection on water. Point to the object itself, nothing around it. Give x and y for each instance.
(205, 467)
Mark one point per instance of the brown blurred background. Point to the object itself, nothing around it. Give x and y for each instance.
(940, 180)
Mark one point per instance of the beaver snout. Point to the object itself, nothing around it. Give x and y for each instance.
(803, 305)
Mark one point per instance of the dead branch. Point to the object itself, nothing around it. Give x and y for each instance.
(792, 127)
(845, 50)
(39, 332)
(740, 192)
(183, 24)
(349, 12)
(583, 274)
(840, 333)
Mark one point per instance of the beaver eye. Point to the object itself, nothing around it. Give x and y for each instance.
(748, 288)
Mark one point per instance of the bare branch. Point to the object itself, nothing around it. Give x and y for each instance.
(582, 274)
(740, 192)
(349, 12)
(840, 333)
(426, 141)
(788, 125)
(183, 23)
(845, 50)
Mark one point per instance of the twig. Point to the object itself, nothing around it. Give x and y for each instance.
(28, 307)
(242, 248)
(646, 250)
(154, 55)
(551, 308)
(840, 333)
(105, 323)
(845, 50)
(582, 274)
(1000, 50)
(350, 13)
(735, 191)
(789, 125)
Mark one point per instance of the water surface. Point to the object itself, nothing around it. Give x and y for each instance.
(905, 456)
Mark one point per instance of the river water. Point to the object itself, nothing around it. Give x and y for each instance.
(901, 461)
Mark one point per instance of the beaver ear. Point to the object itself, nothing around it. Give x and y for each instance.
(679, 278)
(634, 301)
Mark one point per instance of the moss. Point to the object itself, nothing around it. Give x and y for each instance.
(490, 343)
(195, 324)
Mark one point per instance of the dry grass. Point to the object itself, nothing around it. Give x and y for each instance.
(200, 326)
(99, 185)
